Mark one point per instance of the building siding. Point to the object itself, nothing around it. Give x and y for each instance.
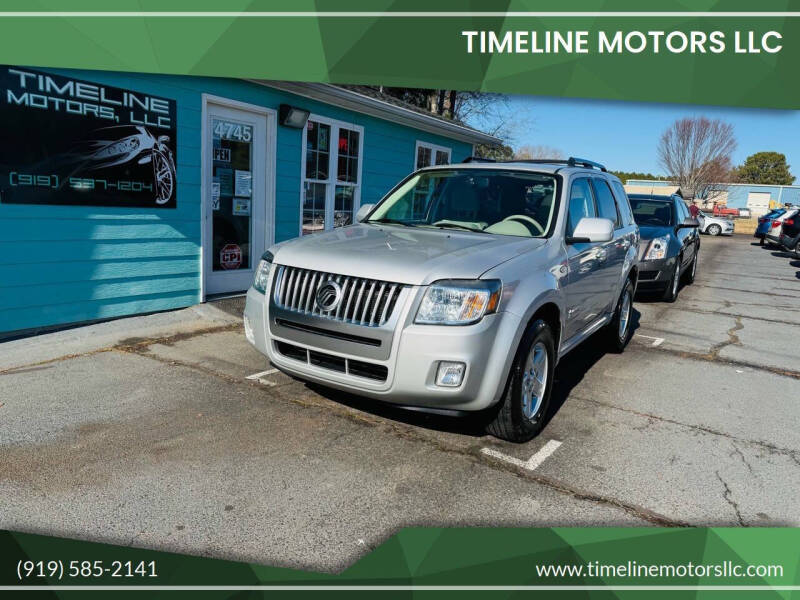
(737, 194)
(65, 264)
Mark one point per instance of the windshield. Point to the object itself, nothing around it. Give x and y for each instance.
(485, 201)
(652, 213)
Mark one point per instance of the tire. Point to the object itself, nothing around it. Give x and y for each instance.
(714, 229)
(692, 272)
(619, 330)
(671, 293)
(163, 178)
(516, 420)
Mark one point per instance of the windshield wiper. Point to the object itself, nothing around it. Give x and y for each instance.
(457, 226)
(390, 221)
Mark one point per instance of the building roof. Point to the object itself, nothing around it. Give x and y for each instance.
(371, 101)
(653, 190)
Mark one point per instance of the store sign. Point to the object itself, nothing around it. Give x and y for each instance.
(72, 142)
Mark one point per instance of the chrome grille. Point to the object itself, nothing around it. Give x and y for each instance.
(363, 301)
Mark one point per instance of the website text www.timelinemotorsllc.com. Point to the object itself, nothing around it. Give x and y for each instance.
(633, 569)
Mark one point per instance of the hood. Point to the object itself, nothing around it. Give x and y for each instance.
(648, 232)
(399, 254)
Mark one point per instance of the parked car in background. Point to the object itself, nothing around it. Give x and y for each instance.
(765, 223)
(714, 225)
(790, 234)
(670, 243)
(458, 292)
(773, 235)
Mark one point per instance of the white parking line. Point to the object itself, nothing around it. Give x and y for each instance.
(260, 375)
(657, 341)
(533, 462)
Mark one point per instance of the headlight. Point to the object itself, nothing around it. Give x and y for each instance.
(458, 302)
(122, 147)
(262, 272)
(657, 249)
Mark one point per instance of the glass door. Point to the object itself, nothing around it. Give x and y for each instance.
(235, 216)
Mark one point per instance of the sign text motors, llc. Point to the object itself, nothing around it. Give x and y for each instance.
(621, 42)
(43, 91)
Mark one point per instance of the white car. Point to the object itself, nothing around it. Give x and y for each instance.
(714, 225)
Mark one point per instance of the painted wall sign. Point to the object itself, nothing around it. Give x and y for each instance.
(72, 142)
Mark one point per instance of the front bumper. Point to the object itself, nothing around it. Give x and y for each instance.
(655, 274)
(411, 360)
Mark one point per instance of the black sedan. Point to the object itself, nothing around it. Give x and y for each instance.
(669, 245)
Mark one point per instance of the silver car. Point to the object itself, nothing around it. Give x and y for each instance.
(458, 292)
(714, 225)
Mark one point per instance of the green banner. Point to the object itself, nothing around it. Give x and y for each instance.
(711, 53)
(576, 562)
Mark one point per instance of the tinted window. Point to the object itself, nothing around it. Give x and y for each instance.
(652, 213)
(606, 205)
(581, 204)
(623, 205)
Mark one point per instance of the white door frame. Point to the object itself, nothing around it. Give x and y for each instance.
(269, 166)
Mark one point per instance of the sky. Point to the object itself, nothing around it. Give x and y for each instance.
(624, 135)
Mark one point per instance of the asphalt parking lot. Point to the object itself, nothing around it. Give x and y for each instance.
(189, 441)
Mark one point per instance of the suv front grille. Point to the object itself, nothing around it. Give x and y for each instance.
(362, 301)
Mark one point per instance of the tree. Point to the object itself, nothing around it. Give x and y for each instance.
(625, 176)
(696, 154)
(502, 152)
(765, 167)
(537, 152)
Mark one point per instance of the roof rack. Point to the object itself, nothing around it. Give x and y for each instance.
(572, 161)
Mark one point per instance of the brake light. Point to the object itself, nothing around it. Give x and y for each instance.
(789, 222)
(776, 224)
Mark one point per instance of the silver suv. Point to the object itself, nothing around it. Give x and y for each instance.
(458, 292)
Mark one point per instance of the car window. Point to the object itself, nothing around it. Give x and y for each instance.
(491, 201)
(650, 212)
(683, 211)
(581, 204)
(606, 205)
(623, 205)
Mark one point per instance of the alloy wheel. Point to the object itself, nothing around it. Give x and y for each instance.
(164, 178)
(624, 315)
(534, 380)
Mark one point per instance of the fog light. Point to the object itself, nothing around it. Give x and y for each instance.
(450, 374)
(248, 331)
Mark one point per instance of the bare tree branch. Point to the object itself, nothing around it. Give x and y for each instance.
(537, 152)
(696, 154)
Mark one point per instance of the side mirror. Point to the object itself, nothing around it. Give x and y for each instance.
(590, 230)
(689, 222)
(363, 211)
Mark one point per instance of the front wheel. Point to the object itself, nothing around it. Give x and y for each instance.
(714, 230)
(523, 407)
(693, 271)
(619, 329)
(671, 293)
